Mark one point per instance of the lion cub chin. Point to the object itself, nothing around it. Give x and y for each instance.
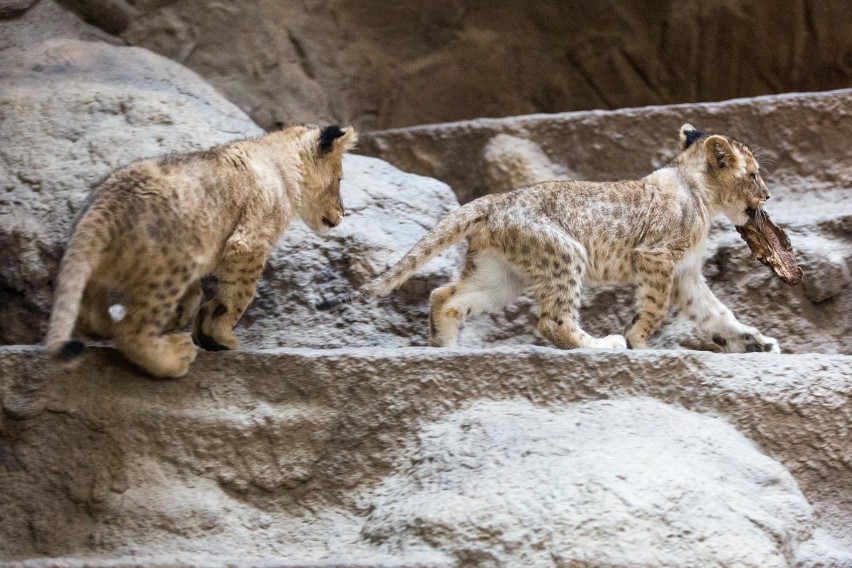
(151, 230)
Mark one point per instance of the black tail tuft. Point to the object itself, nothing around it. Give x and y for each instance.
(326, 305)
(70, 350)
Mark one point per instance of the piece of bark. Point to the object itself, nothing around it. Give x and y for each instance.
(770, 245)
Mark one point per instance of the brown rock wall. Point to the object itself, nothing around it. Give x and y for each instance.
(390, 64)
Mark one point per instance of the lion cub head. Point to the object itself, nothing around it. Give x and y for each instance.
(319, 204)
(729, 171)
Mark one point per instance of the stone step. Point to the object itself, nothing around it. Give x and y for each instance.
(308, 455)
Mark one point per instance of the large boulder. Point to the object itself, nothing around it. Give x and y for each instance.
(387, 212)
(385, 65)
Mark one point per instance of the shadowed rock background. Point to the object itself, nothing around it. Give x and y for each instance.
(384, 64)
(372, 454)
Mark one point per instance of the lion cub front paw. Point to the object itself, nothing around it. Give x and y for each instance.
(212, 333)
(749, 342)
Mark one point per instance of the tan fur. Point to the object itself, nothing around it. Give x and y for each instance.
(557, 236)
(152, 229)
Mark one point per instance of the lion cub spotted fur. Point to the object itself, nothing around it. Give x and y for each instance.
(152, 229)
(558, 236)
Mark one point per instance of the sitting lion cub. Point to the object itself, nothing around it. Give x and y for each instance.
(152, 229)
(560, 235)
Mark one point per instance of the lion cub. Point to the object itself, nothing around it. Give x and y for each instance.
(152, 229)
(558, 236)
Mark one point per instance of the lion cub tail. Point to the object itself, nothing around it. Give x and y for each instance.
(451, 229)
(81, 257)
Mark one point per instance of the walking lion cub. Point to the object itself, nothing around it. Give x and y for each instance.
(152, 229)
(560, 235)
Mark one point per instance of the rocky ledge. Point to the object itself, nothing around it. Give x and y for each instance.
(431, 457)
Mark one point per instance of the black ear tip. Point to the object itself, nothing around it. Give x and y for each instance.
(691, 135)
(327, 137)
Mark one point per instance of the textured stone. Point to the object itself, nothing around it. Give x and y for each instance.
(10, 8)
(632, 482)
(797, 137)
(509, 162)
(383, 65)
(387, 211)
(46, 20)
(286, 456)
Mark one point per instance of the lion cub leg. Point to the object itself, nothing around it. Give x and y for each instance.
(237, 273)
(186, 308)
(139, 335)
(699, 303)
(555, 264)
(488, 283)
(655, 272)
(559, 304)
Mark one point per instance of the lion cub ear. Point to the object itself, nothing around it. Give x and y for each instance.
(335, 139)
(688, 136)
(719, 152)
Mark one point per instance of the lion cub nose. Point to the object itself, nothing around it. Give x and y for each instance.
(328, 223)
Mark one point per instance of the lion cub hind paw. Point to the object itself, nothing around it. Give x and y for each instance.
(177, 358)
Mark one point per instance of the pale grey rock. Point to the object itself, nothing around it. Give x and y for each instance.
(12, 7)
(387, 212)
(630, 482)
(509, 162)
(827, 264)
(294, 457)
(46, 20)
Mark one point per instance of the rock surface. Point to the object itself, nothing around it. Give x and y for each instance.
(10, 8)
(45, 20)
(508, 162)
(295, 458)
(384, 65)
(632, 482)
